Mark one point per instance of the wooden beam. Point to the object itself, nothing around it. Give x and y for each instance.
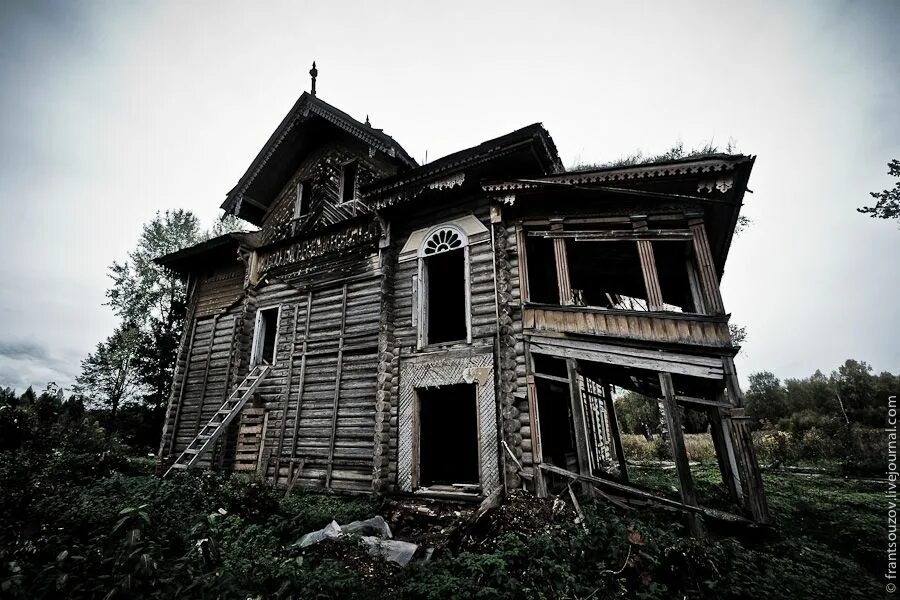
(524, 292)
(616, 235)
(660, 501)
(579, 426)
(728, 467)
(184, 376)
(679, 452)
(537, 453)
(212, 339)
(302, 382)
(337, 388)
(561, 257)
(287, 395)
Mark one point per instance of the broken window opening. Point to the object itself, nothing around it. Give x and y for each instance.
(448, 436)
(266, 334)
(676, 271)
(616, 274)
(348, 181)
(542, 286)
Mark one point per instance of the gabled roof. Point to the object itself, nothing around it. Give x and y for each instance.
(532, 140)
(273, 161)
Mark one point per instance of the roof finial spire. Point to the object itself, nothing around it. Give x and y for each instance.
(368, 124)
(314, 72)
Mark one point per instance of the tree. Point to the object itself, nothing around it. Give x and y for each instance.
(109, 374)
(227, 223)
(151, 298)
(888, 205)
(766, 397)
(638, 414)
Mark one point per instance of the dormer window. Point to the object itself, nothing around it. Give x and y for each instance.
(348, 181)
(303, 199)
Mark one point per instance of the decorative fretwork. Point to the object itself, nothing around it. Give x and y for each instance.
(442, 240)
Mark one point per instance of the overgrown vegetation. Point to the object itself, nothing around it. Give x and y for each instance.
(79, 519)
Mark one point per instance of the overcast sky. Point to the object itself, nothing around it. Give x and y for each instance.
(111, 111)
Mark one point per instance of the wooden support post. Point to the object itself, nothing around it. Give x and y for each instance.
(524, 293)
(287, 396)
(728, 467)
(184, 376)
(709, 281)
(696, 289)
(613, 420)
(581, 443)
(679, 452)
(562, 267)
(651, 277)
(212, 339)
(735, 395)
(337, 388)
(537, 454)
(302, 382)
(750, 475)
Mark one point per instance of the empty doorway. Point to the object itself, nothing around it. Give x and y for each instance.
(448, 436)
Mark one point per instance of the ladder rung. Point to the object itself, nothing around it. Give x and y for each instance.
(191, 451)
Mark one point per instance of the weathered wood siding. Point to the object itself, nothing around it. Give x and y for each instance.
(320, 396)
(672, 328)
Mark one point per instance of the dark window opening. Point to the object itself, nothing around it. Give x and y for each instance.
(348, 181)
(674, 261)
(446, 297)
(266, 335)
(548, 365)
(303, 199)
(542, 286)
(607, 274)
(557, 436)
(448, 435)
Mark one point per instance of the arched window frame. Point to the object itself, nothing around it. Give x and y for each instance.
(433, 240)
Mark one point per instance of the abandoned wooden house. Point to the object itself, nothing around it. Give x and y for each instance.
(458, 327)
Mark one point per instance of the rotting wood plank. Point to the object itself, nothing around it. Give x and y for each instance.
(337, 387)
(302, 382)
(613, 419)
(287, 395)
(184, 376)
(659, 501)
(679, 452)
(212, 338)
(575, 402)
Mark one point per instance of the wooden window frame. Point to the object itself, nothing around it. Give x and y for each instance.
(420, 290)
(256, 347)
(343, 181)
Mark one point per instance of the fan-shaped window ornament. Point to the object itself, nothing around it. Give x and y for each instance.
(442, 240)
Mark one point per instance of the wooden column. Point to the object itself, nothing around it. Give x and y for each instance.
(180, 399)
(651, 278)
(301, 383)
(524, 293)
(212, 339)
(337, 388)
(707, 270)
(534, 418)
(581, 442)
(562, 267)
(728, 466)
(746, 457)
(679, 452)
(287, 396)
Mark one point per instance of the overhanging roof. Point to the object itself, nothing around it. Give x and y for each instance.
(276, 161)
(532, 141)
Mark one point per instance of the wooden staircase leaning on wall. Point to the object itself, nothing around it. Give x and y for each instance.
(219, 421)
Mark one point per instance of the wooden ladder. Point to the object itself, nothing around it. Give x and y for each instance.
(219, 421)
